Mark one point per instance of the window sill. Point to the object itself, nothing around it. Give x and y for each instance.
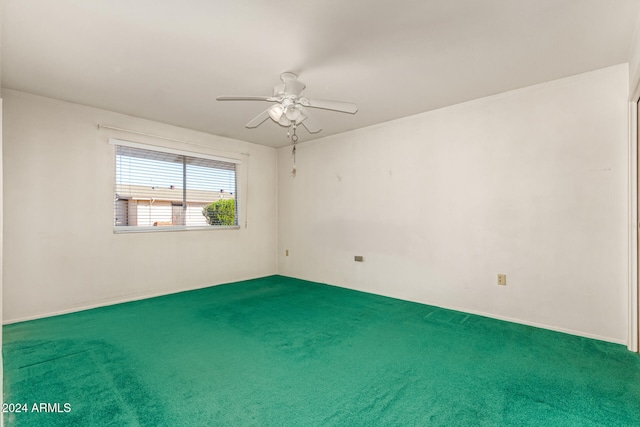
(169, 229)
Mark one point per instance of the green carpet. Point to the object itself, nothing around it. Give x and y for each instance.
(284, 352)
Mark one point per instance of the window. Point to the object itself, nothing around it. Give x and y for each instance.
(170, 190)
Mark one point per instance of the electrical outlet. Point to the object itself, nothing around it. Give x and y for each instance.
(358, 258)
(286, 253)
(502, 279)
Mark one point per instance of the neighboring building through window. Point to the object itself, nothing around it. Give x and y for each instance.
(172, 190)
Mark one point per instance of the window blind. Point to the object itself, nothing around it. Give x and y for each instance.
(168, 190)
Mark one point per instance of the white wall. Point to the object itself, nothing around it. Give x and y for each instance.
(634, 63)
(634, 95)
(60, 251)
(531, 183)
(1, 260)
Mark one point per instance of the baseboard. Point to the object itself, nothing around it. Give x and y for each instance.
(544, 326)
(118, 300)
(138, 297)
(503, 318)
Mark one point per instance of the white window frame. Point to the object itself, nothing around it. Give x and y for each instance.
(161, 149)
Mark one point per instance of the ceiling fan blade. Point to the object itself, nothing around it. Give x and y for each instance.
(246, 98)
(344, 107)
(311, 124)
(257, 121)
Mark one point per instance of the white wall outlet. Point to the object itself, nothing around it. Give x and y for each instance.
(502, 279)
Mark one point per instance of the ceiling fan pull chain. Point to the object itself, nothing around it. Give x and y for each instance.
(294, 140)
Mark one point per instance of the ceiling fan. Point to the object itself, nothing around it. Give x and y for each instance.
(291, 106)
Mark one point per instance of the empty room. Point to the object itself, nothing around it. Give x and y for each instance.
(320, 213)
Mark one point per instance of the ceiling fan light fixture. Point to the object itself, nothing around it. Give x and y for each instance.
(276, 112)
(283, 116)
(302, 116)
(292, 112)
(284, 121)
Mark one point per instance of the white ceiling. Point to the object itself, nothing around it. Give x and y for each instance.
(167, 60)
